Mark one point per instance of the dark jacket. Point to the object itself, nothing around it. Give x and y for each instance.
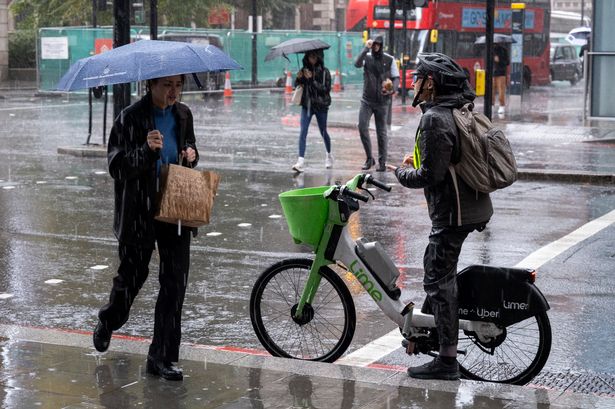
(132, 165)
(439, 147)
(316, 90)
(499, 68)
(376, 69)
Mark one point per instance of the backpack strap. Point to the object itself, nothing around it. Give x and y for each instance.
(451, 169)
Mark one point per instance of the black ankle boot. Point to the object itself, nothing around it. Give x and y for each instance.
(435, 369)
(101, 337)
(164, 369)
(368, 164)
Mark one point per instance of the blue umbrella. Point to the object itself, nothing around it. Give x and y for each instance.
(143, 60)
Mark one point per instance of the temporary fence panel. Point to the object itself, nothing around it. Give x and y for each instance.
(58, 48)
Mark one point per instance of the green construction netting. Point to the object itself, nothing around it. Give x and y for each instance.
(345, 46)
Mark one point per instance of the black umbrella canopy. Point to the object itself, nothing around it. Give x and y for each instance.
(497, 39)
(294, 46)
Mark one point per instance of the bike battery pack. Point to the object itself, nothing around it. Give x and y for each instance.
(379, 263)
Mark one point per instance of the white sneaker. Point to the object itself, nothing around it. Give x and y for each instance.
(300, 165)
(501, 110)
(329, 161)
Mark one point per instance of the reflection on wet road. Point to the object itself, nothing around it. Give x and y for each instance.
(56, 218)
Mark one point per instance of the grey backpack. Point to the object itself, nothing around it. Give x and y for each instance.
(486, 162)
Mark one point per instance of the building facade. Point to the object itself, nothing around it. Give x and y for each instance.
(577, 6)
(4, 40)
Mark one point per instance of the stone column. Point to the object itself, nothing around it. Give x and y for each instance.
(4, 40)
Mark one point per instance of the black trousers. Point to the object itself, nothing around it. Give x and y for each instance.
(380, 116)
(440, 280)
(174, 252)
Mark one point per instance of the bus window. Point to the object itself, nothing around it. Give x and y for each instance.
(534, 44)
(466, 47)
(446, 43)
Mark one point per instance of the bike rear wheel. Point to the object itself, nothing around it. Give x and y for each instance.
(515, 357)
(327, 326)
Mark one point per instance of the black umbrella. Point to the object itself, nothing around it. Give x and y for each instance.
(294, 46)
(497, 39)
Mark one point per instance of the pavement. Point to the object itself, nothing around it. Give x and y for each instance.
(52, 368)
(55, 368)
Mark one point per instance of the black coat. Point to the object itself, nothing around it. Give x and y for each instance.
(316, 90)
(376, 69)
(500, 67)
(439, 147)
(132, 165)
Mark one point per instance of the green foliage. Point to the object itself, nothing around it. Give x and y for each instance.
(22, 49)
(34, 14)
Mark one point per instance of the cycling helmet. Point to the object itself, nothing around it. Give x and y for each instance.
(447, 74)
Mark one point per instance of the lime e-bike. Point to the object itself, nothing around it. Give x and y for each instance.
(302, 309)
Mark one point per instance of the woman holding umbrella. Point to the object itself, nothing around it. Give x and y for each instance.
(315, 79)
(157, 129)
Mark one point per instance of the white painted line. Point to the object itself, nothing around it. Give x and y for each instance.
(99, 267)
(373, 351)
(54, 281)
(383, 346)
(552, 250)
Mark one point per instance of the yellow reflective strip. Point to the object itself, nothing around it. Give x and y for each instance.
(417, 151)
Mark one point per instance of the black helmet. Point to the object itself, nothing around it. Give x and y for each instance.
(447, 74)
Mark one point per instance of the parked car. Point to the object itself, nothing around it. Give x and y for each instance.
(565, 64)
(209, 81)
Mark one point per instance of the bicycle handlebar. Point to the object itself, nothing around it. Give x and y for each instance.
(355, 195)
(370, 179)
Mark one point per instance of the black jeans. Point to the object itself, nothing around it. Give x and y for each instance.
(440, 280)
(380, 116)
(174, 252)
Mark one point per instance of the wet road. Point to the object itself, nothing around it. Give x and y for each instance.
(56, 217)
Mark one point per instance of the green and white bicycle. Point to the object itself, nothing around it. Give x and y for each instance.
(302, 309)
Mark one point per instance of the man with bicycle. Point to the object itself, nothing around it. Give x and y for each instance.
(455, 209)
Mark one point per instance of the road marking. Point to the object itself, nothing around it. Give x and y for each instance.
(383, 346)
(39, 107)
(552, 250)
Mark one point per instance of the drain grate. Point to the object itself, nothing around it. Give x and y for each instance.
(579, 382)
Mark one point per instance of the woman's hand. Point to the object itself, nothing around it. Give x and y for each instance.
(154, 140)
(307, 73)
(189, 154)
(300, 74)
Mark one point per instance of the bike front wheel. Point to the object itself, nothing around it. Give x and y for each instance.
(327, 325)
(515, 357)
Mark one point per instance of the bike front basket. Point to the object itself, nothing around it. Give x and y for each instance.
(306, 212)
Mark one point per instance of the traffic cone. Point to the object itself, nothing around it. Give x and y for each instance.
(337, 85)
(228, 91)
(289, 83)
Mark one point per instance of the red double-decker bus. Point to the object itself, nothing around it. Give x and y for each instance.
(455, 25)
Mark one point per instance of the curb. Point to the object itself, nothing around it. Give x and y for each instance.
(84, 151)
(554, 175)
(499, 394)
